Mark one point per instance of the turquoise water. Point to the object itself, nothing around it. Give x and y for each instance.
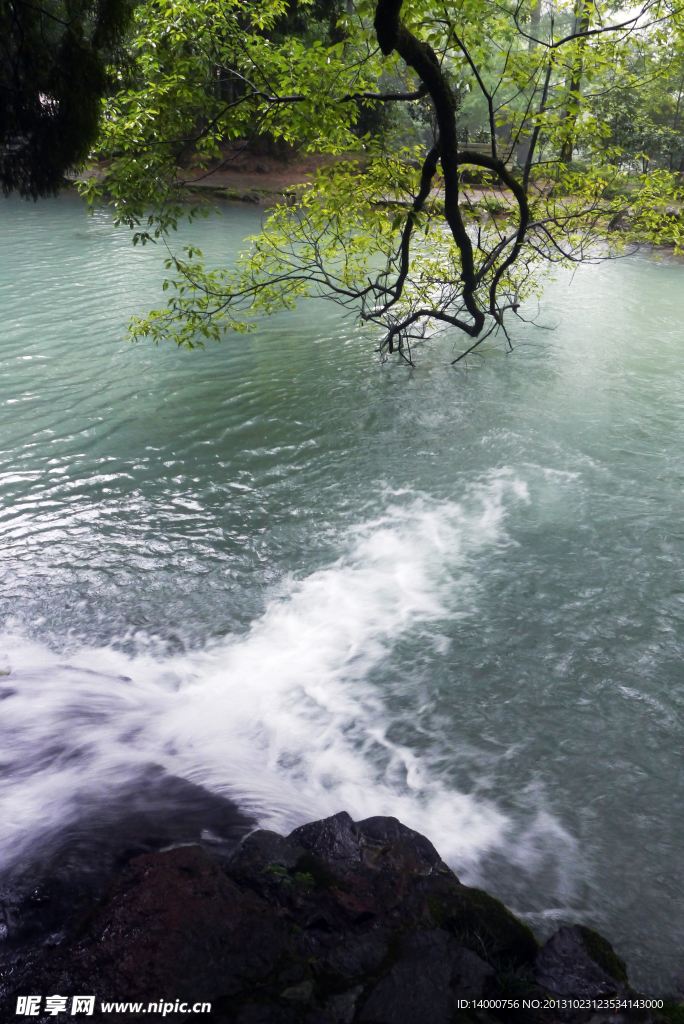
(309, 581)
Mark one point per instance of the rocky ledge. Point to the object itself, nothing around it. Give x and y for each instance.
(339, 922)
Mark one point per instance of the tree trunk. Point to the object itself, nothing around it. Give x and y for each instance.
(582, 21)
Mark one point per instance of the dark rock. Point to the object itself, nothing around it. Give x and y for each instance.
(417, 986)
(262, 848)
(335, 839)
(337, 923)
(577, 961)
(484, 924)
(263, 860)
(174, 923)
(300, 993)
(420, 985)
(341, 1009)
(42, 900)
(359, 955)
(389, 830)
(469, 974)
(262, 1013)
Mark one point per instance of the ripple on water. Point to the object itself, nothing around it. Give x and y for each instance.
(303, 581)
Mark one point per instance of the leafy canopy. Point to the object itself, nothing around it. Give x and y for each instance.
(396, 228)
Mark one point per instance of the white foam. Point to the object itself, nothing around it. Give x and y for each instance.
(285, 719)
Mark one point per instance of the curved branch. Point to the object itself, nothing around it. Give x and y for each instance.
(427, 174)
(629, 24)
(393, 35)
(499, 168)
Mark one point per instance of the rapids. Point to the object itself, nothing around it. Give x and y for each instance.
(308, 582)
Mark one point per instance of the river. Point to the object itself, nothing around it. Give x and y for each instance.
(309, 582)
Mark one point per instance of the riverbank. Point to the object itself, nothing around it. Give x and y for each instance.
(249, 178)
(338, 922)
(267, 180)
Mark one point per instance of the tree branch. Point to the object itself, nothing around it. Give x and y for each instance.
(393, 35)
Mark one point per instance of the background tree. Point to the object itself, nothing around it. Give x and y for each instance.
(643, 113)
(53, 74)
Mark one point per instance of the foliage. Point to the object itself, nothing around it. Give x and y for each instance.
(642, 111)
(391, 231)
(53, 61)
(205, 74)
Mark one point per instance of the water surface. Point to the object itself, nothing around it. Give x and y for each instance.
(306, 581)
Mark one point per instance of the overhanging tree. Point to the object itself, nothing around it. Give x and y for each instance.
(394, 235)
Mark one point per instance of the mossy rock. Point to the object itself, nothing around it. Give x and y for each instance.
(603, 954)
(319, 872)
(485, 925)
(671, 1013)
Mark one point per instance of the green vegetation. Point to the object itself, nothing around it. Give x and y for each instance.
(602, 953)
(486, 926)
(54, 58)
(470, 148)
